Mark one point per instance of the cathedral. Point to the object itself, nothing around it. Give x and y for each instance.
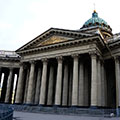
(65, 68)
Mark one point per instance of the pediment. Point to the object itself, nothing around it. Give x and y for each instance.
(52, 36)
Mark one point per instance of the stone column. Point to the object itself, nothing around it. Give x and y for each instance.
(31, 84)
(0, 80)
(99, 82)
(104, 86)
(65, 86)
(86, 90)
(26, 85)
(75, 81)
(50, 87)
(0, 75)
(105, 81)
(70, 84)
(4, 85)
(38, 83)
(43, 83)
(19, 92)
(81, 84)
(59, 82)
(117, 75)
(9, 87)
(94, 85)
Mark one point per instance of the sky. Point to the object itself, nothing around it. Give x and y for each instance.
(23, 20)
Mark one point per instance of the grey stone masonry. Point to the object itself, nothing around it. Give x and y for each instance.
(75, 81)
(59, 82)
(50, 86)
(43, 83)
(65, 86)
(81, 84)
(117, 72)
(0, 75)
(19, 91)
(38, 84)
(99, 83)
(9, 86)
(94, 83)
(31, 84)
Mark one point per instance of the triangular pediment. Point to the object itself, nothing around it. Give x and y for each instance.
(52, 36)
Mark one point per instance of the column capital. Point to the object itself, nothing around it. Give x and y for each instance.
(75, 55)
(44, 60)
(11, 68)
(21, 63)
(117, 58)
(93, 54)
(32, 62)
(59, 58)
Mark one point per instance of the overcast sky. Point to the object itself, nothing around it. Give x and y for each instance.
(23, 20)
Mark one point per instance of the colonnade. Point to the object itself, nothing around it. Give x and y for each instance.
(117, 74)
(7, 81)
(68, 81)
(76, 80)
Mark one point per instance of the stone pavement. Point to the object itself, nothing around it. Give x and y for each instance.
(37, 116)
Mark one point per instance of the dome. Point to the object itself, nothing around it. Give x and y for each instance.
(96, 21)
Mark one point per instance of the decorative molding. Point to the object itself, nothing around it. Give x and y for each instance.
(117, 58)
(21, 63)
(53, 40)
(11, 68)
(59, 58)
(32, 62)
(76, 55)
(93, 54)
(44, 60)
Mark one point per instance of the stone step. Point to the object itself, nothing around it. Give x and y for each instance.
(63, 110)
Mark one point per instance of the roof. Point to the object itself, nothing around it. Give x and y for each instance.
(96, 21)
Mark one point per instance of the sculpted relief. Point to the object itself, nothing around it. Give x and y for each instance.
(52, 40)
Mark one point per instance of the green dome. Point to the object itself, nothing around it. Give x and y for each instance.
(96, 21)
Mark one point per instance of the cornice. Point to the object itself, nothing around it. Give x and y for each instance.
(114, 44)
(10, 59)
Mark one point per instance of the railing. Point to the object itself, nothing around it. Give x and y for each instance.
(4, 53)
(6, 113)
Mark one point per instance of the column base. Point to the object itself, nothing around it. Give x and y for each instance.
(83, 106)
(74, 106)
(93, 107)
(18, 103)
(42, 105)
(29, 104)
(55, 106)
(118, 111)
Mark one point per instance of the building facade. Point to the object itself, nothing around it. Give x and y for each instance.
(60, 67)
